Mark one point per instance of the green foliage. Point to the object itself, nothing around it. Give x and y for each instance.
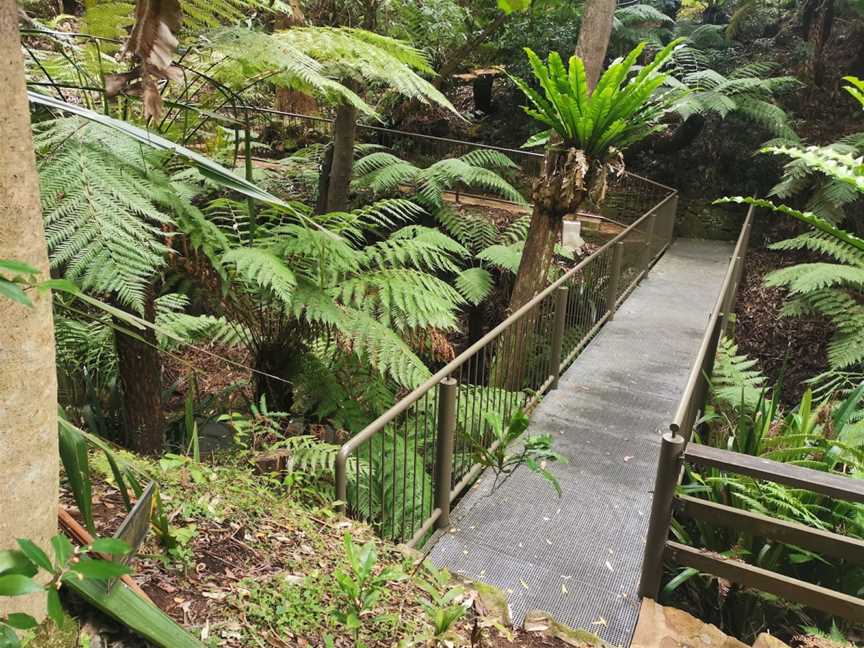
(12, 285)
(536, 451)
(385, 173)
(67, 566)
(618, 112)
(747, 92)
(734, 381)
(747, 417)
(441, 605)
(361, 56)
(362, 585)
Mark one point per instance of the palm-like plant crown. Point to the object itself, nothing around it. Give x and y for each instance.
(617, 113)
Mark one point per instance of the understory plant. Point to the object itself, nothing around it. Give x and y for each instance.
(490, 447)
(28, 570)
(362, 585)
(585, 131)
(831, 288)
(745, 416)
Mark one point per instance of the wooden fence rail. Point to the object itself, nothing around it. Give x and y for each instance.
(676, 452)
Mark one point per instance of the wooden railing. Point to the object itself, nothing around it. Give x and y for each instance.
(676, 451)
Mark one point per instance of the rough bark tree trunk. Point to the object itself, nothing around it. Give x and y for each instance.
(140, 369)
(817, 21)
(564, 169)
(343, 158)
(594, 35)
(28, 375)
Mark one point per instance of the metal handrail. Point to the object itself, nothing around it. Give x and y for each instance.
(694, 392)
(674, 442)
(647, 236)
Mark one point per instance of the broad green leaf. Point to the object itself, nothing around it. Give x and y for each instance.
(35, 554)
(13, 291)
(21, 621)
(113, 546)
(17, 266)
(8, 637)
(99, 569)
(18, 585)
(55, 608)
(509, 6)
(16, 562)
(63, 549)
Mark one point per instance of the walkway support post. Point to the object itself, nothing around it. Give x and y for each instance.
(668, 473)
(558, 334)
(645, 261)
(447, 390)
(614, 277)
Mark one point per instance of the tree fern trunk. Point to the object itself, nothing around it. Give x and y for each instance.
(288, 100)
(140, 369)
(343, 158)
(28, 376)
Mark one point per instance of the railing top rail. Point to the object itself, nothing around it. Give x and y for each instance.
(817, 481)
(378, 424)
(705, 346)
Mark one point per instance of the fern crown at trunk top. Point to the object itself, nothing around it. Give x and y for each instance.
(619, 111)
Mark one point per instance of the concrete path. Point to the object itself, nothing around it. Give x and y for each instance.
(579, 557)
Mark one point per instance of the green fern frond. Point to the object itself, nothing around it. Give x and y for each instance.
(736, 379)
(506, 257)
(106, 205)
(475, 284)
(262, 269)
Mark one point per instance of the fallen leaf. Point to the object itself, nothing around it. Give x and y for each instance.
(524, 584)
(563, 588)
(609, 566)
(601, 621)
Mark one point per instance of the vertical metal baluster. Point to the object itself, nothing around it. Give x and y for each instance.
(404, 476)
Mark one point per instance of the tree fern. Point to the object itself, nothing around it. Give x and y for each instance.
(107, 205)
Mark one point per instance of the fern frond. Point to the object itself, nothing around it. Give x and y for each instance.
(735, 380)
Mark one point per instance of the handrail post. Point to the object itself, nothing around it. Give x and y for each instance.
(614, 277)
(668, 472)
(447, 390)
(558, 334)
(649, 237)
(341, 478)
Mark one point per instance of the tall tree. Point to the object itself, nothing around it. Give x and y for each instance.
(587, 130)
(550, 207)
(28, 379)
(594, 34)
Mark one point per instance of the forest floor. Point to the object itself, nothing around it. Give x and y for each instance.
(251, 565)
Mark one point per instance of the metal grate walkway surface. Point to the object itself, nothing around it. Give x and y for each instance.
(579, 557)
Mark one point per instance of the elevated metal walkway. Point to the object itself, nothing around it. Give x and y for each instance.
(579, 557)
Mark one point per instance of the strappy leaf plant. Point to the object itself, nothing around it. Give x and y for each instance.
(586, 130)
(619, 111)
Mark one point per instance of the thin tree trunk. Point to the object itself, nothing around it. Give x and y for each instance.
(28, 375)
(343, 158)
(140, 369)
(594, 35)
(537, 255)
(288, 100)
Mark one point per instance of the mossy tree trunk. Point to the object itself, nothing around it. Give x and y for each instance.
(140, 368)
(28, 375)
